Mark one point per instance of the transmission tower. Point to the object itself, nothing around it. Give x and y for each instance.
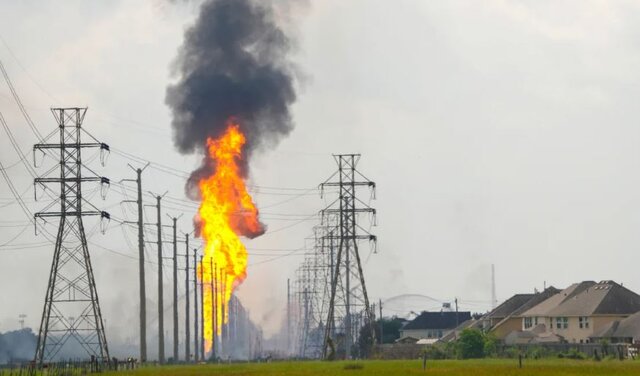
(348, 297)
(71, 308)
(320, 271)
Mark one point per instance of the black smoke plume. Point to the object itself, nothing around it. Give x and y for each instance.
(233, 64)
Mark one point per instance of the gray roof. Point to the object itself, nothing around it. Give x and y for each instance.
(508, 306)
(627, 328)
(535, 300)
(544, 307)
(438, 320)
(453, 334)
(603, 298)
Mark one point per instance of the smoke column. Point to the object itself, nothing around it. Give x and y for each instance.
(232, 65)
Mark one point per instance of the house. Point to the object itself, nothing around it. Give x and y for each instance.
(620, 331)
(407, 340)
(581, 310)
(454, 334)
(507, 317)
(539, 314)
(434, 324)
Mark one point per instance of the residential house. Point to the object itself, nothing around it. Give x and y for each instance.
(508, 316)
(433, 324)
(620, 331)
(581, 310)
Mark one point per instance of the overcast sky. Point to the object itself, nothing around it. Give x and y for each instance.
(499, 132)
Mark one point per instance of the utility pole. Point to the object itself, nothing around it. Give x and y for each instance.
(71, 307)
(160, 289)
(213, 309)
(381, 323)
(201, 311)
(494, 299)
(221, 292)
(175, 288)
(288, 315)
(196, 343)
(457, 323)
(350, 233)
(141, 272)
(187, 350)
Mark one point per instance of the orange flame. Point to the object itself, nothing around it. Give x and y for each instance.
(226, 212)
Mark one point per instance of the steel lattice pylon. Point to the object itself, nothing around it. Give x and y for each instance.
(349, 307)
(71, 309)
(312, 291)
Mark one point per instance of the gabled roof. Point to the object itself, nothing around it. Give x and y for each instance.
(535, 300)
(520, 303)
(603, 298)
(608, 330)
(627, 328)
(508, 306)
(545, 306)
(437, 320)
(453, 334)
(407, 339)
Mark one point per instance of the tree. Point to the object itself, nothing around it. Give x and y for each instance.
(390, 333)
(471, 344)
(490, 344)
(390, 328)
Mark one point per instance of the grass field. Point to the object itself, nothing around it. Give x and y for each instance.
(441, 367)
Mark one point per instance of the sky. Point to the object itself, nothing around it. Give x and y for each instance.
(497, 132)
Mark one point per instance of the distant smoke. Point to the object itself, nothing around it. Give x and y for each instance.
(17, 346)
(233, 64)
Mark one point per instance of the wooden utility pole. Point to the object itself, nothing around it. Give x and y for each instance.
(187, 345)
(160, 289)
(196, 344)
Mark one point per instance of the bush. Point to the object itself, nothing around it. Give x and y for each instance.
(471, 344)
(435, 352)
(572, 354)
(512, 352)
(490, 347)
(538, 352)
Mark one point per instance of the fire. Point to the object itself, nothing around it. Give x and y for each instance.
(226, 212)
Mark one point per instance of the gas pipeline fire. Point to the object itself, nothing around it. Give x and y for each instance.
(231, 100)
(226, 212)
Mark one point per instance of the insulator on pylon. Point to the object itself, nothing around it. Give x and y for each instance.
(105, 219)
(105, 183)
(35, 190)
(35, 224)
(35, 160)
(105, 151)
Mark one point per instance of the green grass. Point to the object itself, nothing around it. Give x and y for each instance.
(488, 367)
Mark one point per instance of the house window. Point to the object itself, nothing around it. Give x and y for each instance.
(527, 322)
(562, 322)
(535, 320)
(583, 321)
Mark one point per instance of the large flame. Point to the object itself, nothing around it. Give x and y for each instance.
(226, 212)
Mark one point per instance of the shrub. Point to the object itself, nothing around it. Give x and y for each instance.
(470, 344)
(490, 347)
(572, 354)
(512, 352)
(538, 352)
(435, 352)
